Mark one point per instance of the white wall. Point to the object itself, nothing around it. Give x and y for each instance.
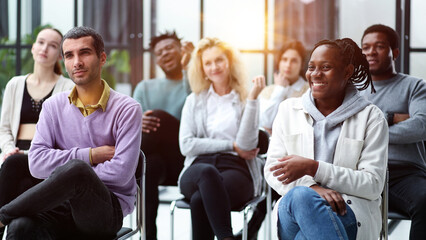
(356, 15)
(59, 14)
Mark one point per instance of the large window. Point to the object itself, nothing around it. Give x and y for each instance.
(417, 39)
(240, 23)
(355, 16)
(256, 27)
(19, 19)
(119, 22)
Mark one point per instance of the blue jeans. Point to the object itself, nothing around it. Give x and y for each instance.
(304, 214)
(73, 203)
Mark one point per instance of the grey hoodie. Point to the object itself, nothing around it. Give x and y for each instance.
(327, 129)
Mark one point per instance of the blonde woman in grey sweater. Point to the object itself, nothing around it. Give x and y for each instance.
(218, 136)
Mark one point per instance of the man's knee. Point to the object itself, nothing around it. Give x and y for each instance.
(74, 168)
(21, 228)
(76, 165)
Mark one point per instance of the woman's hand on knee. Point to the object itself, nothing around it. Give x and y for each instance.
(334, 198)
(14, 151)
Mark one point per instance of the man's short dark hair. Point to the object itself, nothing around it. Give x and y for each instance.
(391, 35)
(82, 31)
(166, 35)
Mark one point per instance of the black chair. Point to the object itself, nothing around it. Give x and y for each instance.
(390, 219)
(384, 209)
(250, 206)
(263, 150)
(126, 232)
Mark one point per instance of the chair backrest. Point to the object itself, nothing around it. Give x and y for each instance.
(394, 217)
(127, 232)
(140, 178)
(140, 170)
(263, 142)
(384, 208)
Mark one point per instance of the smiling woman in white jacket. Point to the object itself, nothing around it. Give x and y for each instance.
(328, 152)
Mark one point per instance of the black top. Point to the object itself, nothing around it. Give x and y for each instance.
(31, 108)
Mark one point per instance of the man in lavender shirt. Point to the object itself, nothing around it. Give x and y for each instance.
(84, 155)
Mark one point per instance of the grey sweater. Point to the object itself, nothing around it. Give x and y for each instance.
(327, 129)
(164, 94)
(403, 94)
(193, 140)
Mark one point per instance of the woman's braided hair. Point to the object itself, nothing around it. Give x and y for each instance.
(352, 54)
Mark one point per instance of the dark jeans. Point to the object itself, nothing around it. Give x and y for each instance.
(407, 194)
(163, 164)
(15, 178)
(72, 203)
(214, 185)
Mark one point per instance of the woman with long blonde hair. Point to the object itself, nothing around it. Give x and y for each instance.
(218, 135)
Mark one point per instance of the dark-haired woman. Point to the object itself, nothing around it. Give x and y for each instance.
(288, 82)
(328, 151)
(22, 101)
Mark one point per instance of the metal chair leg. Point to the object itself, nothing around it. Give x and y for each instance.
(268, 213)
(245, 224)
(172, 216)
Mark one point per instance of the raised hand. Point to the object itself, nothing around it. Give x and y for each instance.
(187, 48)
(258, 86)
(279, 79)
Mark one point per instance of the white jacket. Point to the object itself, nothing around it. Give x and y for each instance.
(359, 164)
(11, 109)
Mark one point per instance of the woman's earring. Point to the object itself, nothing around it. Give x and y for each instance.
(206, 78)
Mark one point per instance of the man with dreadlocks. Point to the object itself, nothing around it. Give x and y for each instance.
(402, 98)
(328, 152)
(162, 100)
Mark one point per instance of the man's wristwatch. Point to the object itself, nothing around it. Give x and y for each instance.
(389, 118)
